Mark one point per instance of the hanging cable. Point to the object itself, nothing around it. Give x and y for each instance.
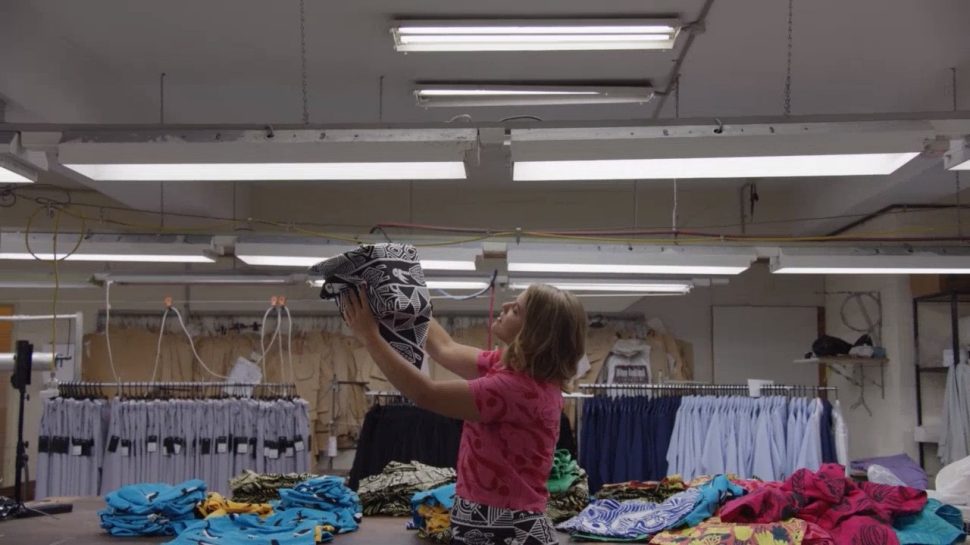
(195, 353)
(279, 320)
(158, 348)
(262, 333)
(491, 313)
(289, 343)
(477, 294)
(107, 329)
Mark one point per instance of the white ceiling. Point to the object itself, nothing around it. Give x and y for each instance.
(239, 60)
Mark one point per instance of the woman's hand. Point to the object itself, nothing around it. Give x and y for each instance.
(358, 315)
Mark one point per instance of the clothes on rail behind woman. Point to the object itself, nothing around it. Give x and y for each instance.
(768, 438)
(405, 433)
(626, 438)
(70, 450)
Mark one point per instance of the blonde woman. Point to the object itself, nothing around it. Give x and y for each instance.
(511, 404)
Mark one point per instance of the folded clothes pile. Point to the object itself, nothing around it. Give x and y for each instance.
(652, 491)
(290, 527)
(215, 505)
(568, 487)
(251, 487)
(151, 509)
(327, 494)
(390, 492)
(431, 513)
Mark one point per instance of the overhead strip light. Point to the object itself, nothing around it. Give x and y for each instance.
(745, 150)
(442, 95)
(12, 172)
(656, 287)
(534, 35)
(198, 279)
(307, 255)
(391, 154)
(13, 246)
(621, 260)
(869, 262)
(958, 158)
(713, 167)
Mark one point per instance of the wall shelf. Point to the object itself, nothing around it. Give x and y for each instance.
(841, 365)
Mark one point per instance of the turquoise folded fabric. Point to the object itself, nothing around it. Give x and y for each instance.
(151, 509)
(936, 524)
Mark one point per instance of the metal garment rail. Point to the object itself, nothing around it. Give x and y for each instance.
(177, 390)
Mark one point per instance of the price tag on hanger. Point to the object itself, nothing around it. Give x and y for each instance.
(125, 449)
(298, 444)
(75, 449)
(152, 445)
(222, 445)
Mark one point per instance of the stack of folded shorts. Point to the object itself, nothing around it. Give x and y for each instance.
(252, 487)
(215, 505)
(290, 527)
(151, 509)
(326, 494)
(431, 513)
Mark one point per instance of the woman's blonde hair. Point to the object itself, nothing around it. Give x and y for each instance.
(553, 335)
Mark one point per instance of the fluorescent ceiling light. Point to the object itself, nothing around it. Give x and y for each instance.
(282, 254)
(11, 172)
(197, 279)
(679, 288)
(42, 284)
(869, 262)
(958, 158)
(534, 35)
(13, 246)
(457, 285)
(621, 260)
(713, 167)
(463, 95)
(442, 170)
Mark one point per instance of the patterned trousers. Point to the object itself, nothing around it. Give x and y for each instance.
(476, 524)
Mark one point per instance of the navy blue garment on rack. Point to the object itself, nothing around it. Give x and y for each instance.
(626, 438)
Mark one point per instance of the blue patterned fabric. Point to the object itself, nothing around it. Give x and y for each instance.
(290, 527)
(151, 509)
(713, 494)
(328, 494)
(631, 520)
(936, 524)
(443, 495)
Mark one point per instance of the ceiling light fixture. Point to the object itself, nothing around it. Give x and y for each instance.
(392, 154)
(713, 167)
(296, 255)
(653, 287)
(13, 246)
(622, 260)
(757, 150)
(447, 95)
(860, 261)
(534, 35)
(11, 172)
(958, 158)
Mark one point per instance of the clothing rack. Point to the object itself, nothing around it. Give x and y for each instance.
(180, 390)
(712, 389)
(382, 397)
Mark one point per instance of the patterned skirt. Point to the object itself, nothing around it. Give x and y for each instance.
(476, 524)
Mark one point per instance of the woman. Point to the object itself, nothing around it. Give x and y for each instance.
(510, 401)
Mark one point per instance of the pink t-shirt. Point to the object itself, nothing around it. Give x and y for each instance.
(505, 458)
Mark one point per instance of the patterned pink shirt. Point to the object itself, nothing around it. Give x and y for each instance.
(505, 458)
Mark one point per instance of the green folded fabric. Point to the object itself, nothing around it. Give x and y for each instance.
(565, 472)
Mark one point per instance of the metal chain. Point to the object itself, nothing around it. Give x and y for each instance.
(303, 71)
(956, 173)
(791, 10)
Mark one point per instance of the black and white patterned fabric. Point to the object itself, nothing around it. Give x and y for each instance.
(476, 524)
(396, 291)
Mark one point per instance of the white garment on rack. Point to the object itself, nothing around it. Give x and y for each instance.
(841, 436)
(955, 421)
(629, 361)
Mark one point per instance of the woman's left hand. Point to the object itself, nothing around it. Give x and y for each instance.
(358, 315)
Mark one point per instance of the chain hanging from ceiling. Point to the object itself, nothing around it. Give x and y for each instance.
(791, 12)
(303, 70)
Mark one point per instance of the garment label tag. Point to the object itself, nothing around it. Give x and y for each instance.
(75, 450)
(178, 448)
(242, 448)
(290, 452)
(125, 451)
(271, 453)
(222, 447)
(298, 445)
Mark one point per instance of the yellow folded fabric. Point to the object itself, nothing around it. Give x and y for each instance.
(215, 505)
